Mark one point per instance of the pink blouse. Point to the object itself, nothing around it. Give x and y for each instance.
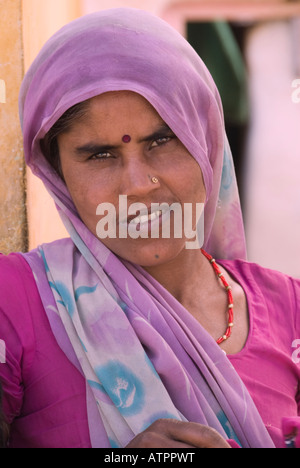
(45, 395)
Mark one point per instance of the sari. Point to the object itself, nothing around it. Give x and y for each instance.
(137, 347)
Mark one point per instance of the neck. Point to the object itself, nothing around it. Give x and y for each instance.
(188, 272)
(192, 280)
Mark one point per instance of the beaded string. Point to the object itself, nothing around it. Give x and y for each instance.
(229, 295)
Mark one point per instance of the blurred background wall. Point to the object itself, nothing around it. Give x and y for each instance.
(251, 47)
(13, 225)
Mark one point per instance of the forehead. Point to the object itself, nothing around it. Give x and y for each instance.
(120, 104)
(119, 112)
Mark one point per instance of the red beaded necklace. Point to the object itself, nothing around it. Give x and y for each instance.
(229, 294)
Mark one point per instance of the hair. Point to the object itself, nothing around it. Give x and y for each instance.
(4, 428)
(49, 144)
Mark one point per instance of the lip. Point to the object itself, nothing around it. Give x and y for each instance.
(146, 214)
(148, 222)
(148, 225)
(146, 218)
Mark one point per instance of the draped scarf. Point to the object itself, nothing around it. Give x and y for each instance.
(143, 356)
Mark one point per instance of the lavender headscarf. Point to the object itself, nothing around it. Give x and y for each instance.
(142, 354)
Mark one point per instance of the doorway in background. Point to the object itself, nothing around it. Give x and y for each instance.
(220, 45)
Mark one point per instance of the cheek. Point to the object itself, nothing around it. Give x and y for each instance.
(189, 180)
(195, 179)
(87, 192)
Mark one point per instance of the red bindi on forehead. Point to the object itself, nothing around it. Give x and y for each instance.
(126, 138)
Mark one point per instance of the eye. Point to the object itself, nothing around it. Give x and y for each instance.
(100, 156)
(161, 141)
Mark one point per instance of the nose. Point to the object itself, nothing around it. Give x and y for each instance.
(138, 179)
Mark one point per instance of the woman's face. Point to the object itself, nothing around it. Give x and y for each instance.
(98, 167)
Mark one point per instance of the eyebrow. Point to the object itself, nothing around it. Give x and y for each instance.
(161, 131)
(93, 148)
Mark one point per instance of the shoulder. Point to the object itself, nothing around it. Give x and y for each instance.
(266, 277)
(11, 264)
(19, 274)
(15, 278)
(278, 290)
(20, 302)
(18, 293)
(16, 328)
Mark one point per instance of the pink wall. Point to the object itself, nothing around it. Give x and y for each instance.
(273, 172)
(41, 19)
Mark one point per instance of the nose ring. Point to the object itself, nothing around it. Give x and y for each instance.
(154, 180)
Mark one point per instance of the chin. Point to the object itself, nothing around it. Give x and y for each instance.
(158, 252)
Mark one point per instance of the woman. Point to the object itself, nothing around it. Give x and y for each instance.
(122, 342)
